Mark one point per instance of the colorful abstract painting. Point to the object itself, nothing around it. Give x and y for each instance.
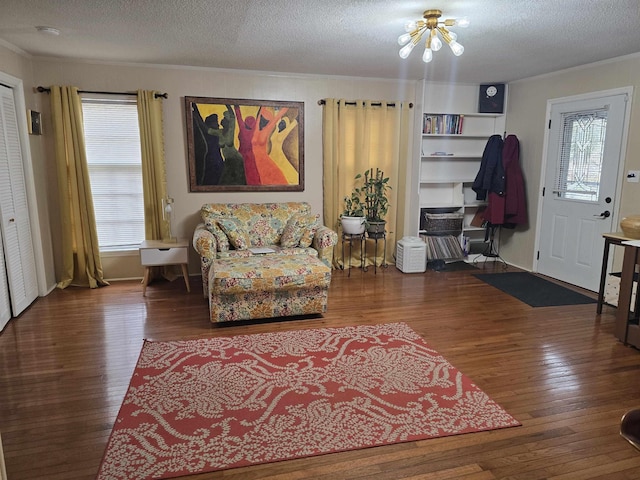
(240, 144)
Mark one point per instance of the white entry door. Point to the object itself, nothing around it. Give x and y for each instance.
(579, 195)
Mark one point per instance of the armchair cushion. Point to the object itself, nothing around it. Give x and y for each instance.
(299, 230)
(313, 222)
(235, 231)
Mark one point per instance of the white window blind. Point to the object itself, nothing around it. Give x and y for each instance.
(112, 139)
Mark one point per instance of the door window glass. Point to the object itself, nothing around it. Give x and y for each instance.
(581, 155)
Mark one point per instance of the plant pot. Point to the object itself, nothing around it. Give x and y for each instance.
(352, 225)
(376, 229)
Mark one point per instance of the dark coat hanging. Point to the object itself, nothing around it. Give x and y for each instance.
(490, 177)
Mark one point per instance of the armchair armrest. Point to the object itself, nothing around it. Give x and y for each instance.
(204, 242)
(323, 241)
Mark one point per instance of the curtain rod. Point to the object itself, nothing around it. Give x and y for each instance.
(157, 95)
(375, 104)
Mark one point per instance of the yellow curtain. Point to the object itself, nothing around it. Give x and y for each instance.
(358, 136)
(80, 250)
(154, 179)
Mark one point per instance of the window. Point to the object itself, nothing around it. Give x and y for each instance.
(582, 152)
(112, 139)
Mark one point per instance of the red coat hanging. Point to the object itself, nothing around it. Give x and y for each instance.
(509, 209)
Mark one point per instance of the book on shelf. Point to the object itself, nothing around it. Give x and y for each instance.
(442, 247)
(442, 124)
(478, 218)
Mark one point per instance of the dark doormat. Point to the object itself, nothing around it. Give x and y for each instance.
(533, 290)
(456, 266)
(459, 266)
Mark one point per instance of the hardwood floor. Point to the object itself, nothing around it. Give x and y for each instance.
(66, 363)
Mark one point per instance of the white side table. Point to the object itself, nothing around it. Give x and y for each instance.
(154, 253)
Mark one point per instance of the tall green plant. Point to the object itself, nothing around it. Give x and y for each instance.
(368, 199)
(375, 191)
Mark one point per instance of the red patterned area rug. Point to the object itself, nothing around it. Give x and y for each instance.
(203, 405)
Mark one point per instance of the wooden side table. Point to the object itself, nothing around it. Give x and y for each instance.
(613, 238)
(627, 328)
(155, 253)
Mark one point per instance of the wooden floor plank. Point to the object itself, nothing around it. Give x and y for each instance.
(66, 363)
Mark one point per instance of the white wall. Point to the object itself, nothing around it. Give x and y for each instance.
(181, 82)
(526, 118)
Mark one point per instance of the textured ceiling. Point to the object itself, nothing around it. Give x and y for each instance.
(507, 39)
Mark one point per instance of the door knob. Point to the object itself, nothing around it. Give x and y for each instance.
(604, 214)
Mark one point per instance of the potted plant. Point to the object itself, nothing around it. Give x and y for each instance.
(353, 217)
(376, 203)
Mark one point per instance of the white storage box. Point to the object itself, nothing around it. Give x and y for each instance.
(411, 255)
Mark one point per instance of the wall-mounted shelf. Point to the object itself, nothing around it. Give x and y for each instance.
(449, 162)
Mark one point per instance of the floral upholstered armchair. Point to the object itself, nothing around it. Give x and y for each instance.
(231, 230)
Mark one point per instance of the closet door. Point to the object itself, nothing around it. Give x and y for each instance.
(5, 305)
(19, 257)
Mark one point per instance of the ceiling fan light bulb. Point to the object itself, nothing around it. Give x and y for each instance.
(404, 38)
(462, 22)
(427, 56)
(436, 43)
(456, 48)
(410, 26)
(406, 50)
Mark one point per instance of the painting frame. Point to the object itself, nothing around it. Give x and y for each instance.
(225, 154)
(34, 122)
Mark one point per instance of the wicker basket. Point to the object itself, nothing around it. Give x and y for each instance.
(443, 223)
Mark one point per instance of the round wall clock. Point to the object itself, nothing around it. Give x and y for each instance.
(491, 91)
